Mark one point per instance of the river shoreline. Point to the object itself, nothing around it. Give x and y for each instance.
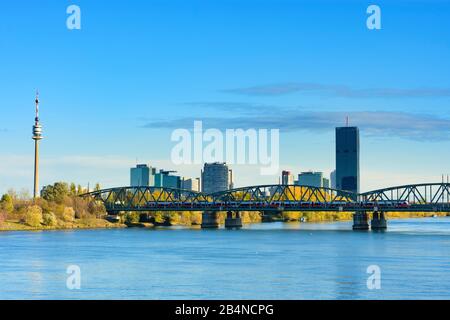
(98, 224)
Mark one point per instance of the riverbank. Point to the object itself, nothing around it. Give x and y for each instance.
(100, 223)
(92, 223)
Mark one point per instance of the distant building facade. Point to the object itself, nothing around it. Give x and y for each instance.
(215, 177)
(166, 180)
(313, 179)
(333, 179)
(287, 178)
(325, 182)
(191, 184)
(142, 176)
(347, 159)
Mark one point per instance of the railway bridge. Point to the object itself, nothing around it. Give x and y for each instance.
(274, 199)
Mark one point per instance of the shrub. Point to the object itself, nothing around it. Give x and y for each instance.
(49, 219)
(69, 214)
(132, 217)
(6, 203)
(33, 216)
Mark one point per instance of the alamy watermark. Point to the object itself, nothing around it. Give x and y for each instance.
(73, 21)
(73, 281)
(234, 146)
(374, 280)
(373, 22)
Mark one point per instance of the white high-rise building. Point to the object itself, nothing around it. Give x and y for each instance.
(333, 179)
(215, 177)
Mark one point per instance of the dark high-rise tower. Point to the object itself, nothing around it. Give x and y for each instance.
(347, 159)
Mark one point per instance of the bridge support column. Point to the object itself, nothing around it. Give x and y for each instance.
(360, 221)
(233, 222)
(210, 220)
(378, 221)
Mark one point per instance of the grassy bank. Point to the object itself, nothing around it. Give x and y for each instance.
(59, 207)
(94, 223)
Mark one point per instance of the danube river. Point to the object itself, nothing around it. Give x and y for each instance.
(261, 261)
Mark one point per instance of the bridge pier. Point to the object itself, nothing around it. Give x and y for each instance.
(378, 221)
(233, 222)
(360, 221)
(210, 220)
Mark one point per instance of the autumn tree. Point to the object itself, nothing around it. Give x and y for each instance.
(56, 192)
(6, 203)
(33, 216)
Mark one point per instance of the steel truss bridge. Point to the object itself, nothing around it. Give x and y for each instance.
(427, 197)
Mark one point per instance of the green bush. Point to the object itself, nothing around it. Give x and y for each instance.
(131, 217)
(33, 216)
(49, 219)
(56, 192)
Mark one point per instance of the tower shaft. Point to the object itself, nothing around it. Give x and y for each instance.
(36, 169)
(37, 135)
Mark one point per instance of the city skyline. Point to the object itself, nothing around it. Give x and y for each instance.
(115, 90)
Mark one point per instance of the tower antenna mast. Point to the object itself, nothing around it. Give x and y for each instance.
(37, 136)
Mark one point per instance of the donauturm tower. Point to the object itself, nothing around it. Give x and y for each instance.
(37, 136)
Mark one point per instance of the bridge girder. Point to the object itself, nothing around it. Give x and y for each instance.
(421, 197)
(424, 193)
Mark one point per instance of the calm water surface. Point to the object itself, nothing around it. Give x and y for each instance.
(261, 261)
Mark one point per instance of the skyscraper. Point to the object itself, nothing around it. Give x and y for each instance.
(142, 176)
(215, 177)
(347, 159)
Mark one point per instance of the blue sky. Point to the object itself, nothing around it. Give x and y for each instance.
(113, 91)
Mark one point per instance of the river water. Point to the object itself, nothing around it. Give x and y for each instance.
(261, 261)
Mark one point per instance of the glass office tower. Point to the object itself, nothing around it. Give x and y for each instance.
(347, 159)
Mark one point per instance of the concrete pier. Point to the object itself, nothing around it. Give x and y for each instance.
(378, 221)
(360, 221)
(233, 222)
(210, 220)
